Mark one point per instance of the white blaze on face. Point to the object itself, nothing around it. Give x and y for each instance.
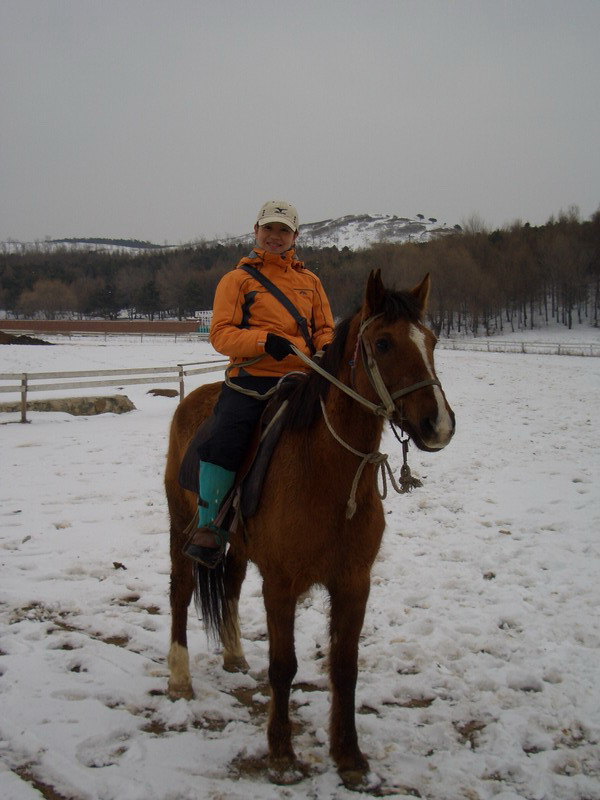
(443, 424)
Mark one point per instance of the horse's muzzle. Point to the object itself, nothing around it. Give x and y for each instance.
(432, 432)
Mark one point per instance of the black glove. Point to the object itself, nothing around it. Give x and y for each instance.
(277, 346)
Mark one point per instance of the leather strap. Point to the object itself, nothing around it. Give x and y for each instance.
(285, 302)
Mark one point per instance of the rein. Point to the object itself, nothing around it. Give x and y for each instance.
(388, 407)
(381, 461)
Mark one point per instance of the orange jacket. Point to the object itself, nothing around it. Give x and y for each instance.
(244, 312)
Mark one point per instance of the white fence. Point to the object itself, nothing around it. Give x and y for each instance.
(491, 345)
(26, 382)
(533, 348)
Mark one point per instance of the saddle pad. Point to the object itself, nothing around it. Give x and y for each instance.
(251, 488)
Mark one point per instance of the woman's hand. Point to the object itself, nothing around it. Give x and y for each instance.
(277, 346)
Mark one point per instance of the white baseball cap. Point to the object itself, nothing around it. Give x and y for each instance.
(278, 211)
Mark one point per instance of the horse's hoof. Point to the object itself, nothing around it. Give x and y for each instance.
(180, 691)
(237, 664)
(354, 771)
(357, 780)
(285, 773)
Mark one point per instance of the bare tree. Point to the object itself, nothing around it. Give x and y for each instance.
(49, 298)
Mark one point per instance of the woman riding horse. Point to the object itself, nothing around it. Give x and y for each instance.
(262, 308)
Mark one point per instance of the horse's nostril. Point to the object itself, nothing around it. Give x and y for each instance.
(428, 426)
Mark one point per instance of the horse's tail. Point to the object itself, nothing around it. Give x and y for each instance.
(209, 598)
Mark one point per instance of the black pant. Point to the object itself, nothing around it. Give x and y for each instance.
(235, 417)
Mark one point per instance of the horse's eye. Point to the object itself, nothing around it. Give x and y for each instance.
(382, 346)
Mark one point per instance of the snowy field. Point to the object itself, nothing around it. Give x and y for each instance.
(480, 658)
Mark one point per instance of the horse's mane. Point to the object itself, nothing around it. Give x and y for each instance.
(303, 396)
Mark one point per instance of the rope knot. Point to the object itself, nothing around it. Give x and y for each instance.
(407, 482)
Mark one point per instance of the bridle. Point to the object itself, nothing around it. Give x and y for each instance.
(373, 374)
(388, 407)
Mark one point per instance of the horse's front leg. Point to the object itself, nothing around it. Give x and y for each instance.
(281, 607)
(233, 653)
(348, 602)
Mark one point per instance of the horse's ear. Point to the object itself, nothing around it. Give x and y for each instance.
(421, 294)
(374, 294)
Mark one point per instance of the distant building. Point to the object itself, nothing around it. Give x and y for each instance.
(204, 319)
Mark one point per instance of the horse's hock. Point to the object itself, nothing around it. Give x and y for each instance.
(78, 406)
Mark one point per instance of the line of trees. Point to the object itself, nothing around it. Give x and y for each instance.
(513, 278)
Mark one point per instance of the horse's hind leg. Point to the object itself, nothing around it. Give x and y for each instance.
(348, 602)
(233, 653)
(280, 607)
(182, 588)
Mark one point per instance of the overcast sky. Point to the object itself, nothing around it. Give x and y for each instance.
(173, 120)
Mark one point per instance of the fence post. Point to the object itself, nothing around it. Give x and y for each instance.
(24, 397)
(181, 387)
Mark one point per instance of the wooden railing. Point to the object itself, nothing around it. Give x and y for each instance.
(198, 335)
(26, 382)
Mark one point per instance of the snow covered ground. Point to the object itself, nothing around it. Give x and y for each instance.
(480, 658)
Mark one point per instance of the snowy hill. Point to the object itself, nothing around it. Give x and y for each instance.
(360, 231)
(352, 231)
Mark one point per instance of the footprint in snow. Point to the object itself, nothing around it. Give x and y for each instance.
(105, 751)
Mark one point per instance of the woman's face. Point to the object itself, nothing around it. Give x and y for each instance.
(274, 237)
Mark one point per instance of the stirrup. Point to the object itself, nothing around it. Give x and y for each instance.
(209, 557)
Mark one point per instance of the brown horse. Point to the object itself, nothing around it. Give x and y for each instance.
(381, 360)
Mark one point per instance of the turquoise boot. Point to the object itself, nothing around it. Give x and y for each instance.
(207, 544)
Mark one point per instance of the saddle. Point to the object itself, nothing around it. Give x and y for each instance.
(243, 499)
